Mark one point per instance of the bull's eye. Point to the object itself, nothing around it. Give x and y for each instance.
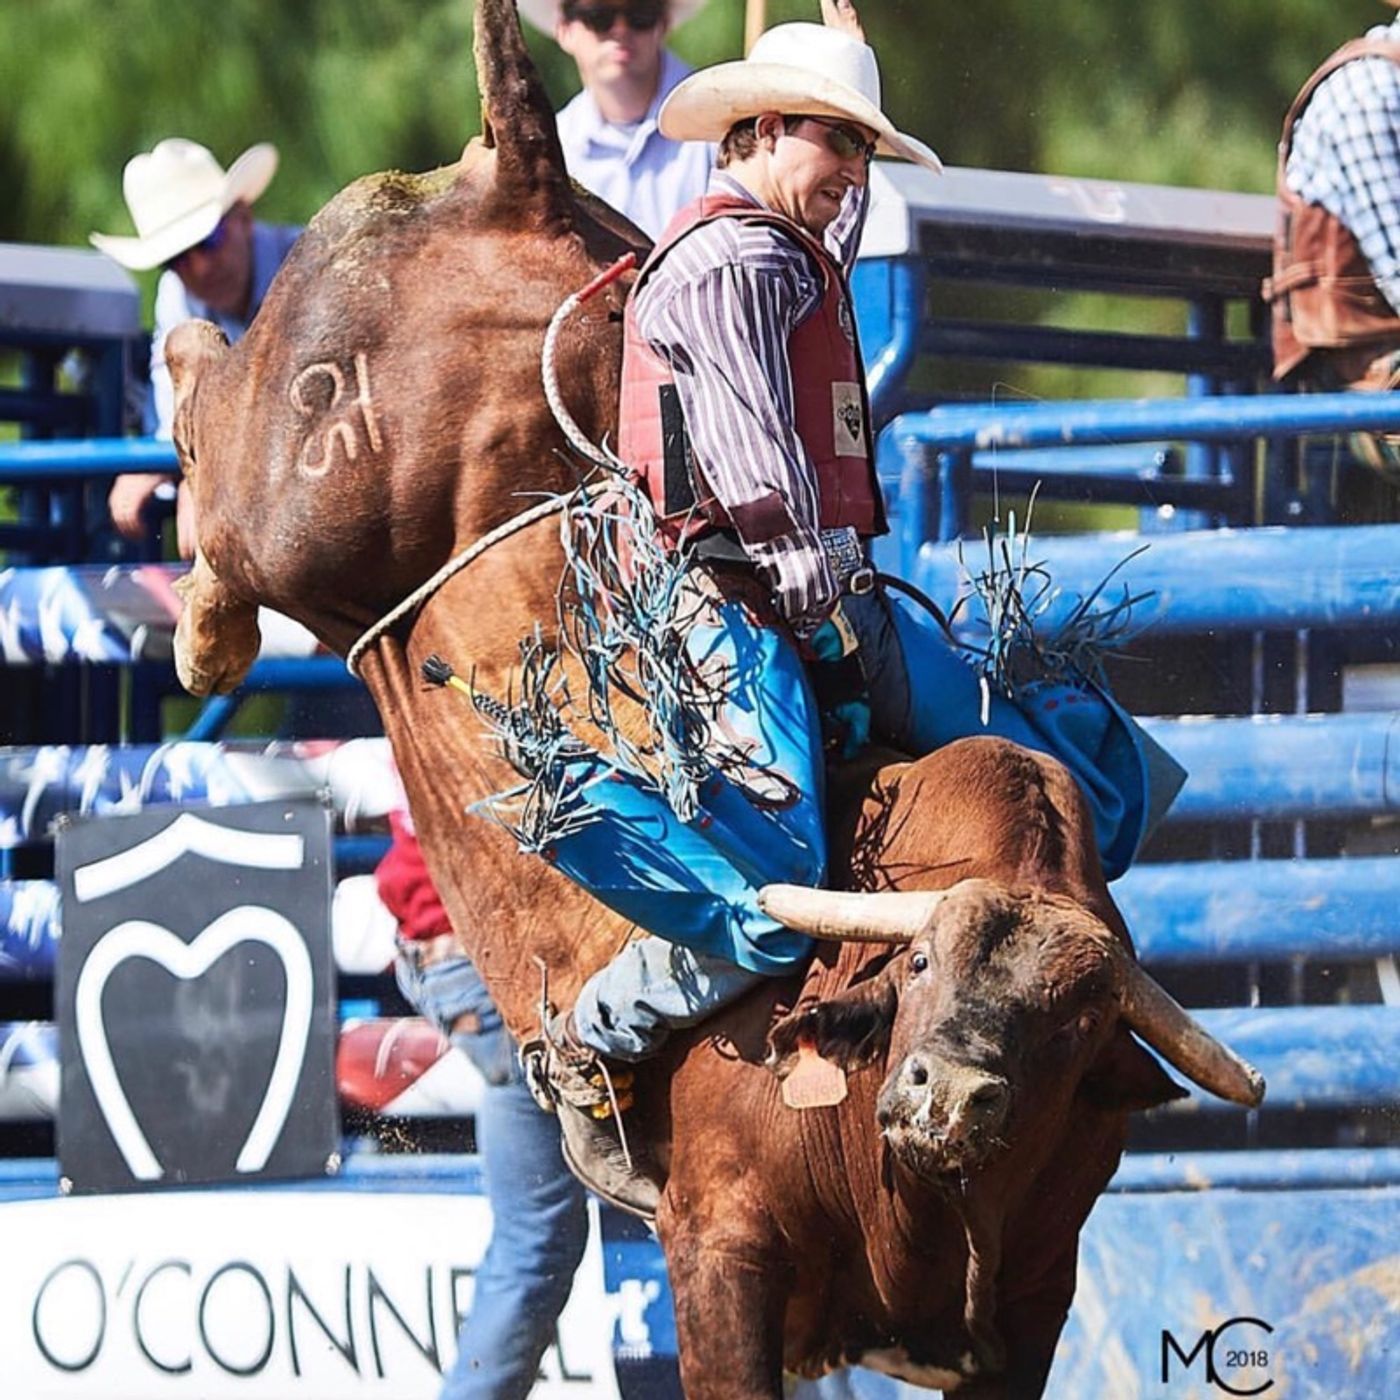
(918, 962)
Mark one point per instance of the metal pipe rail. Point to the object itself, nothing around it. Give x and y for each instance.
(926, 458)
(1312, 1056)
(40, 782)
(35, 463)
(1147, 474)
(1030, 344)
(1227, 418)
(1265, 910)
(1312, 1169)
(1283, 767)
(1262, 579)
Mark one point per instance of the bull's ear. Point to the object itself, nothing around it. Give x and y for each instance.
(849, 1030)
(1124, 1076)
(188, 350)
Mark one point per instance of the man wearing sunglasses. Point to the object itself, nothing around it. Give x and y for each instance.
(194, 221)
(744, 416)
(612, 143)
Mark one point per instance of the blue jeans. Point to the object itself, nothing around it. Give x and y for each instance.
(695, 883)
(447, 990)
(649, 989)
(538, 1232)
(538, 1212)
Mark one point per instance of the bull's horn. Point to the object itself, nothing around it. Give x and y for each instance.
(1185, 1043)
(891, 916)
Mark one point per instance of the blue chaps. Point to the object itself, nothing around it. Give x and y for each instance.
(693, 884)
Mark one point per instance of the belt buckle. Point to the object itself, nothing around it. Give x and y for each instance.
(861, 581)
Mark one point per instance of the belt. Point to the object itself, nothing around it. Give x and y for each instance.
(843, 549)
(846, 555)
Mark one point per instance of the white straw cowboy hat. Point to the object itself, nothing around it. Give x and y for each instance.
(177, 194)
(544, 14)
(806, 69)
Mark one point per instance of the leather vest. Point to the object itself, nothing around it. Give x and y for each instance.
(1322, 293)
(830, 405)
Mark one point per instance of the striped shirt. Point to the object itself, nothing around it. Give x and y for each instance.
(720, 307)
(1346, 157)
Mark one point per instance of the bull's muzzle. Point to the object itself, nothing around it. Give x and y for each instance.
(940, 1116)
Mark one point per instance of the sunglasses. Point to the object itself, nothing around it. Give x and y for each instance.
(211, 244)
(842, 139)
(599, 19)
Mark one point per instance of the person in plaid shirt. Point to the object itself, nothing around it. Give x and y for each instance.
(1335, 291)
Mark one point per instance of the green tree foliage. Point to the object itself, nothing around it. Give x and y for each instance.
(1184, 92)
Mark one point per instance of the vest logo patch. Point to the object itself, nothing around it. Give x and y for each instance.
(848, 420)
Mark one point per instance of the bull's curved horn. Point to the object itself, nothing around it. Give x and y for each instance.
(891, 916)
(1184, 1042)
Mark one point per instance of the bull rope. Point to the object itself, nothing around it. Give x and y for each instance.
(552, 506)
(455, 565)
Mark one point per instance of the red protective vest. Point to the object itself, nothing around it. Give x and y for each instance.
(1322, 292)
(829, 400)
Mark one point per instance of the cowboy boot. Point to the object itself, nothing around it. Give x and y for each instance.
(571, 1079)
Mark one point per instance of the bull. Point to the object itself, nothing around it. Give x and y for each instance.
(363, 461)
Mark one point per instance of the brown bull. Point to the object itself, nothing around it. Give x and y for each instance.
(384, 414)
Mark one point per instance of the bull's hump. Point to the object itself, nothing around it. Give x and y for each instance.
(390, 196)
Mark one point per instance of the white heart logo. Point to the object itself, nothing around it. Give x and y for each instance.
(136, 938)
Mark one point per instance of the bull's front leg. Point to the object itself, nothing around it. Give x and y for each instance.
(730, 1278)
(217, 637)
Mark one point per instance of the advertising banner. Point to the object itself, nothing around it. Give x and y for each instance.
(195, 997)
(263, 1295)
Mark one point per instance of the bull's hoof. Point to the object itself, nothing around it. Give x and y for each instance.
(201, 683)
(203, 675)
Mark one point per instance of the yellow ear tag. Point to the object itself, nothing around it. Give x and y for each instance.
(813, 1082)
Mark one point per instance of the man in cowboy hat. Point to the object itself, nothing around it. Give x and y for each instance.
(744, 417)
(1335, 290)
(609, 132)
(193, 219)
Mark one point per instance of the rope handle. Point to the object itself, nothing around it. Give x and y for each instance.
(607, 277)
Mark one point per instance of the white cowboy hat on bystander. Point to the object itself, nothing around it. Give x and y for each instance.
(803, 69)
(177, 193)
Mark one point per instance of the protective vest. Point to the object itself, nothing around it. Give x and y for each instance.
(1322, 294)
(829, 400)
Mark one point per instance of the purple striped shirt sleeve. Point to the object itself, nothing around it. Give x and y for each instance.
(720, 308)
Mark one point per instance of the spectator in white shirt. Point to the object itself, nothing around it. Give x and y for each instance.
(612, 144)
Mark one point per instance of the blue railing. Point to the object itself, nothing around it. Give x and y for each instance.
(35, 463)
(932, 463)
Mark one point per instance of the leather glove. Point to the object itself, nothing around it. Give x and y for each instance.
(843, 699)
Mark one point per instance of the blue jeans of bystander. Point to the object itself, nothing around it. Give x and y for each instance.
(538, 1210)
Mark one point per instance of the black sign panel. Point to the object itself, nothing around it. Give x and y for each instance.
(195, 996)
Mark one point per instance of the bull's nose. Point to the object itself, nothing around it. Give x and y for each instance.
(989, 1098)
(980, 1106)
(915, 1072)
